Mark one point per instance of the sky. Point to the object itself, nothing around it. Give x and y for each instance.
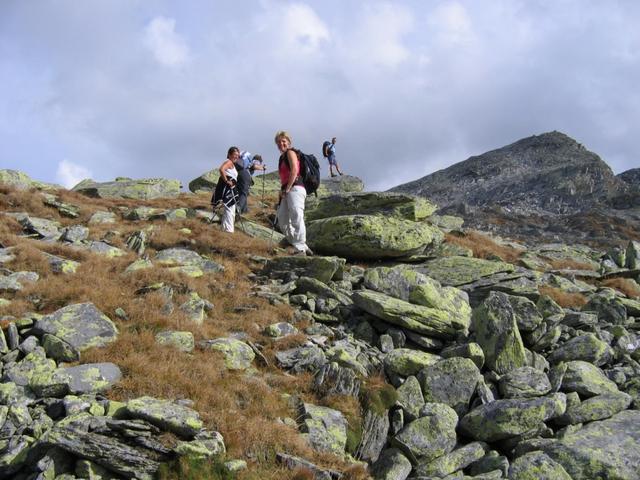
(157, 88)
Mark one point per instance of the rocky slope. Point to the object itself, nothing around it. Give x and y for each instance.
(537, 189)
(442, 362)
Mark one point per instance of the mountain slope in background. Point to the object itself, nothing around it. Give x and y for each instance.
(547, 173)
(545, 187)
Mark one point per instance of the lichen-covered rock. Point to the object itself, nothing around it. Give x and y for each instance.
(89, 377)
(256, 230)
(142, 189)
(14, 281)
(280, 329)
(429, 321)
(102, 217)
(587, 347)
(334, 379)
(406, 361)
(595, 408)
(586, 379)
(471, 350)
(604, 449)
(81, 325)
(15, 178)
(186, 257)
(181, 420)
(237, 354)
(430, 436)
(369, 203)
(140, 213)
(182, 341)
(370, 237)
(325, 428)
(41, 227)
(497, 333)
(320, 268)
(410, 398)
(205, 445)
(451, 381)
(537, 466)
(458, 271)
(59, 350)
(524, 382)
(608, 306)
(452, 462)
(526, 312)
(405, 283)
(101, 248)
(195, 308)
(510, 417)
(61, 265)
(300, 359)
(391, 465)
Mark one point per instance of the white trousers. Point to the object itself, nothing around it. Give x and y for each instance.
(291, 217)
(228, 218)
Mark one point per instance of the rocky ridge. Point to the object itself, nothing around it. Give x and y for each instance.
(545, 187)
(486, 376)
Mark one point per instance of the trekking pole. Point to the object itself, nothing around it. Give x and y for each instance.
(263, 172)
(273, 225)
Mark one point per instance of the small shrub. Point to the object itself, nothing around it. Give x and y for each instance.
(625, 285)
(484, 247)
(562, 298)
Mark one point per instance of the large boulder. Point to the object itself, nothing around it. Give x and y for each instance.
(370, 237)
(586, 379)
(81, 325)
(502, 419)
(451, 381)
(458, 271)
(369, 203)
(587, 347)
(142, 189)
(405, 283)
(430, 436)
(537, 466)
(429, 321)
(320, 268)
(181, 420)
(496, 331)
(22, 181)
(605, 449)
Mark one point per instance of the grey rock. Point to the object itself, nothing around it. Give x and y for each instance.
(323, 269)
(375, 428)
(585, 347)
(586, 379)
(595, 408)
(410, 398)
(81, 325)
(143, 189)
(451, 381)
(452, 462)
(74, 233)
(170, 416)
(537, 466)
(524, 382)
(297, 360)
(325, 428)
(391, 465)
(333, 379)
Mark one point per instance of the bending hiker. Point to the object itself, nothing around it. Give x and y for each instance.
(331, 156)
(226, 192)
(246, 164)
(292, 196)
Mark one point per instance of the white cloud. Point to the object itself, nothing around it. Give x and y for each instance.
(378, 38)
(304, 29)
(453, 23)
(168, 47)
(70, 174)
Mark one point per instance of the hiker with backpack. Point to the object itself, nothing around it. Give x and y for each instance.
(329, 152)
(290, 213)
(226, 193)
(246, 165)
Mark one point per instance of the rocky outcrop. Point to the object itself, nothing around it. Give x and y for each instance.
(143, 189)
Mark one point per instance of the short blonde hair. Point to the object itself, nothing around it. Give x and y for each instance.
(281, 134)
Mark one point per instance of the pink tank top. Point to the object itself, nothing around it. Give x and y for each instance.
(285, 171)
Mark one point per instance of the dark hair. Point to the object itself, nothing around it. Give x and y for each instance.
(232, 150)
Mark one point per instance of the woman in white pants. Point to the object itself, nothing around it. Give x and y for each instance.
(229, 175)
(292, 196)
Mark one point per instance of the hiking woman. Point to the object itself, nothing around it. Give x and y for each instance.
(225, 192)
(292, 196)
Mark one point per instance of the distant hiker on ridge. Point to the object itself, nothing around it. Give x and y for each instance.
(246, 164)
(226, 192)
(290, 211)
(329, 152)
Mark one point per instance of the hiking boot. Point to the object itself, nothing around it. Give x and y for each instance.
(300, 253)
(308, 252)
(333, 175)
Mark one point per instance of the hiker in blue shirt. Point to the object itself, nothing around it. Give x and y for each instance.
(246, 165)
(332, 158)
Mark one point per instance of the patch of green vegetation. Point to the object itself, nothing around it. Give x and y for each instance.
(190, 468)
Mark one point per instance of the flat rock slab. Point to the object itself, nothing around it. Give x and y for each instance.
(90, 377)
(181, 420)
(320, 268)
(186, 257)
(456, 271)
(81, 325)
(256, 230)
(325, 428)
(605, 449)
(114, 455)
(369, 203)
(371, 237)
(143, 189)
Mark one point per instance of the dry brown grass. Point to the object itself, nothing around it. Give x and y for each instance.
(484, 247)
(562, 298)
(624, 285)
(566, 264)
(244, 408)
